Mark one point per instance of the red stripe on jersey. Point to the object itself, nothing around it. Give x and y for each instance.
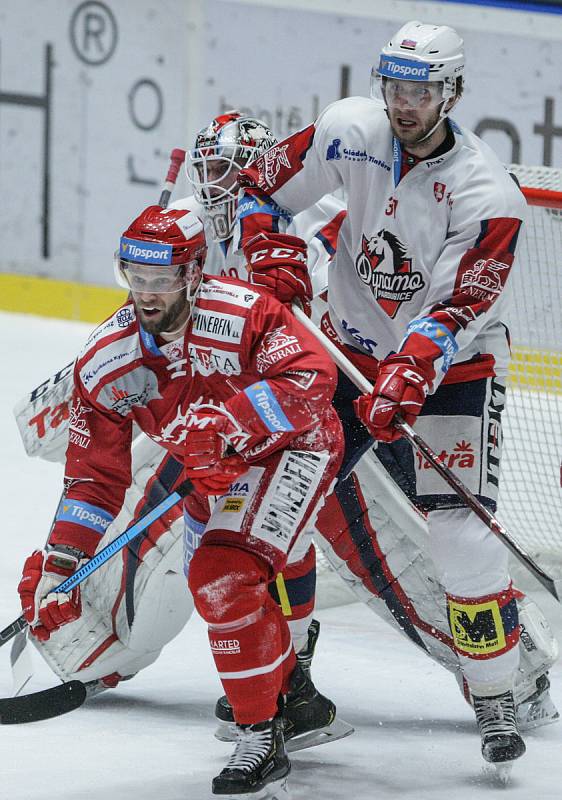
(481, 366)
(484, 268)
(330, 232)
(277, 165)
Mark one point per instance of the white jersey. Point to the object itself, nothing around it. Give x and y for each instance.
(425, 249)
(318, 226)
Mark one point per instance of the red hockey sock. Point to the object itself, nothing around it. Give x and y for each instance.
(249, 636)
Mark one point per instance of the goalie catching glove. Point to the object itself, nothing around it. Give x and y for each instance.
(44, 609)
(206, 461)
(401, 387)
(278, 262)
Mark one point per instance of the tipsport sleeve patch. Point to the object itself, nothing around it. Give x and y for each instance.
(93, 517)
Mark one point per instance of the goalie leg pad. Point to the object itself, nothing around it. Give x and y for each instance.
(104, 640)
(403, 551)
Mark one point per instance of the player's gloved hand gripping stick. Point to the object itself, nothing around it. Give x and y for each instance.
(106, 553)
(490, 520)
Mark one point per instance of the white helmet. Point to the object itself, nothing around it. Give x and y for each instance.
(230, 142)
(419, 52)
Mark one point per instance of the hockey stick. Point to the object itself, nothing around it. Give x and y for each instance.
(553, 586)
(109, 550)
(68, 696)
(177, 157)
(43, 398)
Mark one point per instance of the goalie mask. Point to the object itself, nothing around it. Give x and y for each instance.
(162, 252)
(230, 143)
(420, 69)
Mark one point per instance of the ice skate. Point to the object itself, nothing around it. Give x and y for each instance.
(259, 765)
(539, 708)
(309, 718)
(501, 741)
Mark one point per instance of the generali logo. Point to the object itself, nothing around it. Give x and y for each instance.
(462, 457)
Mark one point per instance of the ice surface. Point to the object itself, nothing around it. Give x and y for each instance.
(152, 739)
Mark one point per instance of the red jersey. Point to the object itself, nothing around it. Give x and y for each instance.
(242, 352)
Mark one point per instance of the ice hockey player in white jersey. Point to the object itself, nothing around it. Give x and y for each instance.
(423, 257)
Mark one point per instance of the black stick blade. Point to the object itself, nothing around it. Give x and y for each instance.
(42, 705)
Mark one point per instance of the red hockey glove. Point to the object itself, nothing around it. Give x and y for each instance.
(46, 611)
(206, 462)
(400, 388)
(216, 479)
(277, 262)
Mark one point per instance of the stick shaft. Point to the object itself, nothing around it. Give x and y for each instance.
(470, 500)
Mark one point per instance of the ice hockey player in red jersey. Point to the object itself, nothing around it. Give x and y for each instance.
(417, 300)
(223, 377)
(138, 601)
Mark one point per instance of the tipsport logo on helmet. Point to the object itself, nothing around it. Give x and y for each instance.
(403, 68)
(144, 252)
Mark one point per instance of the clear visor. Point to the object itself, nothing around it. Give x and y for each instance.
(212, 172)
(399, 92)
(156, 279)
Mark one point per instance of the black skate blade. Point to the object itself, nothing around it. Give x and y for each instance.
(226, 732)
(278, 790)
(42, 705)
(331, 733)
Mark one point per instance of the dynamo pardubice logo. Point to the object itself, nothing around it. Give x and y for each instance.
(383, 266)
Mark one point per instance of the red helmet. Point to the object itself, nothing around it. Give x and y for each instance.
(162, 250)
(222, 149)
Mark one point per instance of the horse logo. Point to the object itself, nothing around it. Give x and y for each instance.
(382, 264)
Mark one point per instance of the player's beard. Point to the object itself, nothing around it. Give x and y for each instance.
(414, 136)
(167, 321)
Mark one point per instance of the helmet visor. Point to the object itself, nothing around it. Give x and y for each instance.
(413, 94)
(155, 279)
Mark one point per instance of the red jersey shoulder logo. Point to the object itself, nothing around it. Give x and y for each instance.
(271, 162)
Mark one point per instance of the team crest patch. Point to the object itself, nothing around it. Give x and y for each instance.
(270, 164)
(382, 264)
(439, 191)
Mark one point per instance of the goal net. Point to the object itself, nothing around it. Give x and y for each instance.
(530, 502)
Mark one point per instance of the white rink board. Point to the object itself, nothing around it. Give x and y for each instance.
(132, 80)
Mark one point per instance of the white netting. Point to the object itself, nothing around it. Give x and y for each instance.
(530, 492)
